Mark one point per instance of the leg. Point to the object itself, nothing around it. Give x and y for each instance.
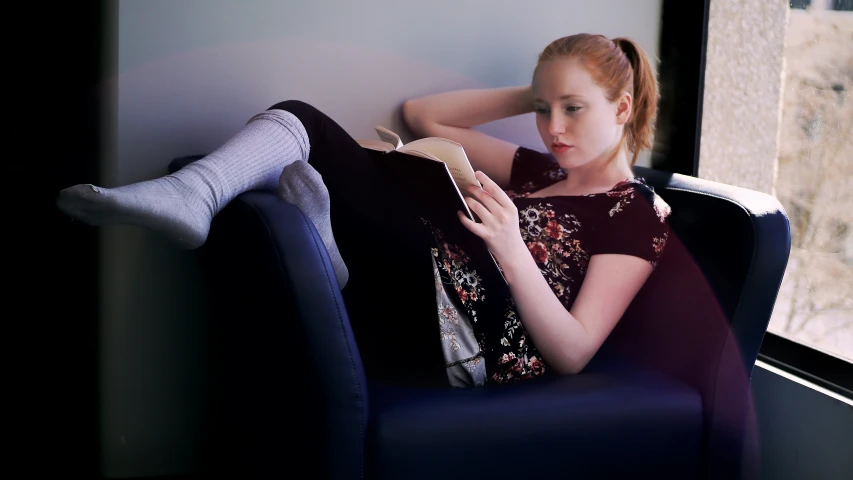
(181, 205)
(303, 186)
(334, 153)
(389, 265)
(386, 253)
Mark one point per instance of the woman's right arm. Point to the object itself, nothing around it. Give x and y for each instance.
(453, 114)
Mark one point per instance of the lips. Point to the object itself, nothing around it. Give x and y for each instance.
(560, 147)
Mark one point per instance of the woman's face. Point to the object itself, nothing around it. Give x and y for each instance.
(573, 115)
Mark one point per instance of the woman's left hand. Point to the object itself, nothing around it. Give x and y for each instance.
(498, 217)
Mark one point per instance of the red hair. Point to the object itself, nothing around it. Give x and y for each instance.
(617, 65)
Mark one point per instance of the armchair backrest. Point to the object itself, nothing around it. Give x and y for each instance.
(725, 263)
(703, 314)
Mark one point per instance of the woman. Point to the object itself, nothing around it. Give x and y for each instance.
(574, 231)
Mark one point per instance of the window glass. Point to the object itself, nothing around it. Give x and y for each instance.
(815, 177)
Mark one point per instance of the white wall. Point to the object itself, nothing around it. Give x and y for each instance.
(188, 74)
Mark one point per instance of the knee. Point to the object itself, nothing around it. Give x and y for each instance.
(297, 107)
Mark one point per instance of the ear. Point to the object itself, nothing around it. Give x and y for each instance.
(624, 104)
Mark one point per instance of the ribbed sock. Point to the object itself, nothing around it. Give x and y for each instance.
(303, 186)
(181, 205)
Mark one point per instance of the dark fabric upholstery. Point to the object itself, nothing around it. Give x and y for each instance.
(666, 397)
(602, 424)
(703, 314)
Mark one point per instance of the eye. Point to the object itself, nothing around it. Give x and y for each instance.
(541, 110)
(573, 108)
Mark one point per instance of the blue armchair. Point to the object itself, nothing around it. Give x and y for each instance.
(343, 385)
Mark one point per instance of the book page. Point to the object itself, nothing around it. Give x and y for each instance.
(452, 154)
(420, 153)
(388, 136)
(377, 145)
(468, 212)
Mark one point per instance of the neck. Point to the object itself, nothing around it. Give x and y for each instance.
(602, 173)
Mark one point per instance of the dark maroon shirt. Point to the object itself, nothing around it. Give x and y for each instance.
(562, 234)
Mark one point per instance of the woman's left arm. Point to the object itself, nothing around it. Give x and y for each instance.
(566, 339)
(569, 340)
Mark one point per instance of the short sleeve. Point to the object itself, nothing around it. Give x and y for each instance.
(634, 221)
(532, 170)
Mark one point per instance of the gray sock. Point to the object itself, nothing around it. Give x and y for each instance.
(181, 205)
(303, 186)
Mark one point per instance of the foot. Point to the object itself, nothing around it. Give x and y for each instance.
(164, 205)
(303, 186)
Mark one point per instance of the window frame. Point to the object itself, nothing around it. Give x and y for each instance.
(683, 48)
(824, 369)
(70, 343)
(681, 74)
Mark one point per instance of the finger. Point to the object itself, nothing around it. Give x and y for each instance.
(494, 189)
(485, 215)
(485, 198)
(476, 228)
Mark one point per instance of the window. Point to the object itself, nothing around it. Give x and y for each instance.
(842, 5)
(830, 4)
(811, 332)
(815, 178)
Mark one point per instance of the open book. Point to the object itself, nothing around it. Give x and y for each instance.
(436, 149)
(438, 171)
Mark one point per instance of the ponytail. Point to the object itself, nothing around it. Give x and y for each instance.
(640, 127)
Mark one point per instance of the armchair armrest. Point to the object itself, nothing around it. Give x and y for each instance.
(290, 380)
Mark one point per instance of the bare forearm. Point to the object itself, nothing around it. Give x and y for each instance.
(559, 336)
(467, 108)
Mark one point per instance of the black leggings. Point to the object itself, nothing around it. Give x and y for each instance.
(390, 295)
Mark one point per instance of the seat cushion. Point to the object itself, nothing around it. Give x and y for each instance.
(613, 421)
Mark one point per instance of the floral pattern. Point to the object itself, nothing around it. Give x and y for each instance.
(455, 271)
(462, 349)
(518, 358)
(562, 233)
(551, 240)
(623, 198)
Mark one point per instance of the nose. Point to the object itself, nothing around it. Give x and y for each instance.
(556, 125)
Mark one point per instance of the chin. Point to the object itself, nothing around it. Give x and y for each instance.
(569, 159)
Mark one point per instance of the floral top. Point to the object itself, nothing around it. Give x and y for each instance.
(562, 233)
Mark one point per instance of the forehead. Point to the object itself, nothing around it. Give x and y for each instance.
(563, 76)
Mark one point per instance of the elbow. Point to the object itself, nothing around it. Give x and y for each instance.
(571, 364)
(567, 369)
(572, 357)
